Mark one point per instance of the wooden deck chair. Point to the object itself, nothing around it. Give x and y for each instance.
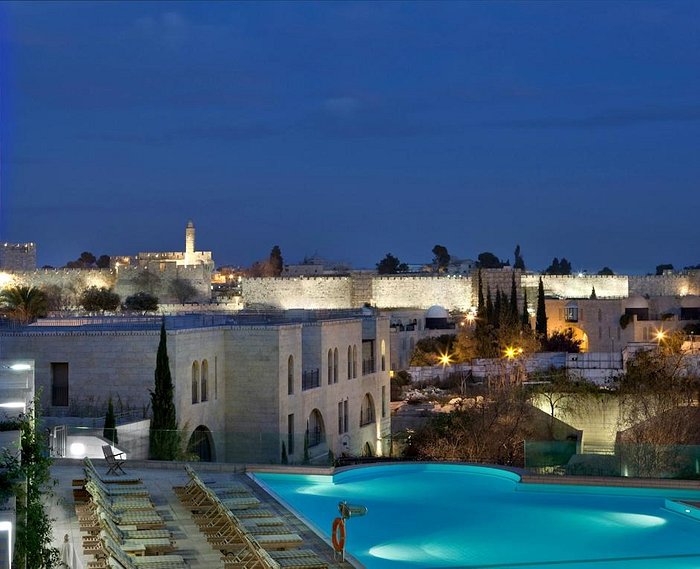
(114, 463)
(89, 466)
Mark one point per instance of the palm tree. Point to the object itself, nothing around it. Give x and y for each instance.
(24, 303)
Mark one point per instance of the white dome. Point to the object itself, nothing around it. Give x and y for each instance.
(436, 311)
(637, 302)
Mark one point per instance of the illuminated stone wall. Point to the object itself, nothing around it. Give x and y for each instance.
(574, 286)
(665, 285)
(451, 292)
(297, 292)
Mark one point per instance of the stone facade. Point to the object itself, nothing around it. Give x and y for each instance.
(231, 381)
(18, 256)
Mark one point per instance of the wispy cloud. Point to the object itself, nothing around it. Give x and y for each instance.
(608, 119)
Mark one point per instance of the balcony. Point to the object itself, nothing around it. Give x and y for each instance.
(310, 379)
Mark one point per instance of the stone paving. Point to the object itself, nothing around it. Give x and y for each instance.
(191, 544)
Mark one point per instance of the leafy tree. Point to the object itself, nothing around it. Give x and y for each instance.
(276, 261)
(487, 260)
(441, 258)
(31, 477)
(562, 341)
(56, 298)
(558, 267)
(141, 302)
(660, 269)
(85, 261)
(541, 317)
(183, 290)
(94, 299)
(110, 429)
(606, 271)
(147, 281)
(163, 434)
(390, 265)
(519, 262)
(103, 262)
(24, 303)
(513, 312)
(428, 350)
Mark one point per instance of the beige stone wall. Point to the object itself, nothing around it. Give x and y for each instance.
(666, 285)
(71, 281)
(451, 292)
(297, 292)
(199, 276)
(574, 286)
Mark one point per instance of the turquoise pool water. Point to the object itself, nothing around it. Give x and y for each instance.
(431, 515)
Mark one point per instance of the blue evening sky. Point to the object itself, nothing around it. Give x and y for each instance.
(354, 129)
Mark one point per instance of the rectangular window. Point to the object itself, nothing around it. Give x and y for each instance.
(383, 400)
(340, 417)
(345, 416)
(59, 384)
(290, 434)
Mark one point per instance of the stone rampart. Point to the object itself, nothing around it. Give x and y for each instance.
(665, 285)
(575, 286)
(297, 292)
(453, 292)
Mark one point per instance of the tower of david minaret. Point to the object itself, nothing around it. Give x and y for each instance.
(189, 243)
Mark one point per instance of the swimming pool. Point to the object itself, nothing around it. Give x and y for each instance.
(438, 515)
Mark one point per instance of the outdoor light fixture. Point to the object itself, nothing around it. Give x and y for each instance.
(660, 335)
(20, 367)
(13, 405)
(77, 450)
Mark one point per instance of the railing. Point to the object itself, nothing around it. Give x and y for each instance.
(368, 366)
(310, 379)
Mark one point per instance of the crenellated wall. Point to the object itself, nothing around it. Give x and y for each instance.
(575, 286)
(665, 285)
(297, 292)
(451, 292)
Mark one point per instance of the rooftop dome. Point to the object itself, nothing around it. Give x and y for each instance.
(436, 311)
(637, 302)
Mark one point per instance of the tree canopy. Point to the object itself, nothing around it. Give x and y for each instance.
(519, 262)
(87, 260)
(559, 267)
(183, 290)
(24, 303)
(541, 317)
(164, 436)
(661, 269)
(488, 260)
(99, 299)
(141, 302)
(276, 261)
(390, 265)
(606, 271)
(441, 258)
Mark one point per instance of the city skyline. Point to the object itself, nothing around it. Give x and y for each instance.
(352, 130)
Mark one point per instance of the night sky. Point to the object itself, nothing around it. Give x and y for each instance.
(349, 130)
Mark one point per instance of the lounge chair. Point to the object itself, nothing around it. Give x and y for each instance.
(114, 462)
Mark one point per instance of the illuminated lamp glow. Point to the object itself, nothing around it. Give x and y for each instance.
(13, 405)
(7, 526)
(20, 367)
(77, 450)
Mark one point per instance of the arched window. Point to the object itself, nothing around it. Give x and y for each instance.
(367, 410)
(349, 362)
(195, 382)
(205, 380)
(383, 356)
(290, 375)
(354, 360)
(316, 432)
(335, 365)
(330, 367)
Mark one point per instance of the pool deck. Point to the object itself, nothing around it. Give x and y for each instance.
(160, 479)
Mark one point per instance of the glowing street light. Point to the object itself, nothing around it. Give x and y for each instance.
(445, 359)
(511, 352)
(660, 335)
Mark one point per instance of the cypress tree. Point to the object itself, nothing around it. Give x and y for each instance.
(306, 458)
(110, 429)
(541, 320)
(285, 459)
(513, 316)
(489, 306)
(525, 318)
(164, 437)
(593, 294)
(480, 306)
(497, 310)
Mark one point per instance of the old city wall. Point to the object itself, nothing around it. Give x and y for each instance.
(297, 292)
(71, 282)
(575, 286)
(665, 285)
(451, 292)
(131, 280)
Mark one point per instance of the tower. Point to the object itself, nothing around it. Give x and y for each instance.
(189, 238)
